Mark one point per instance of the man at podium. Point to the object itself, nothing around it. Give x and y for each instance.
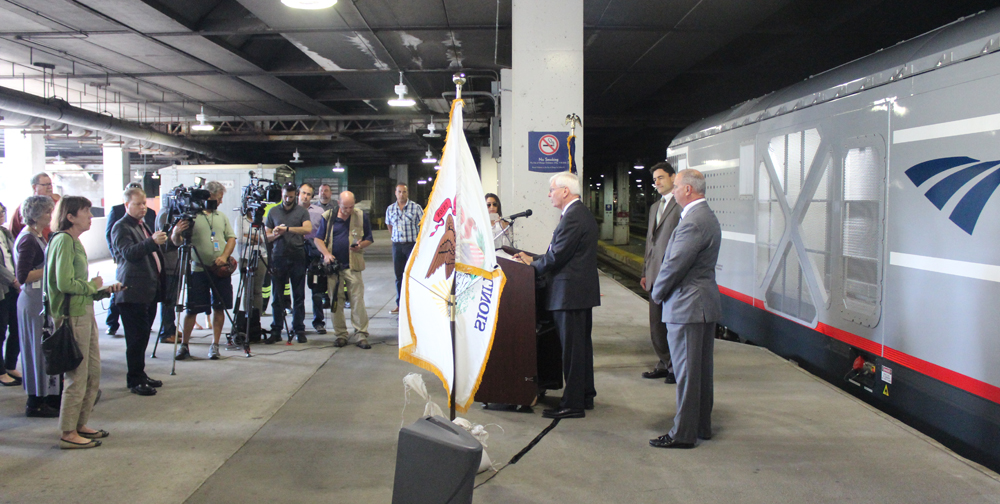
(574, 290)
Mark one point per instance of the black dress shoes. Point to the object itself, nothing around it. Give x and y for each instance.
(112, 330)
(670, 379)
(43, 411)
(143, 390)
(154, 383)
(563, 413)
(665, 441)
(656, 373)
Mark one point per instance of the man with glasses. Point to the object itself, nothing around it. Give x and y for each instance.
(403, 218)
(41, 185)
(316, 284)
(343, 236)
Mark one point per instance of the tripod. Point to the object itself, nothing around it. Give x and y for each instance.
(250, 259)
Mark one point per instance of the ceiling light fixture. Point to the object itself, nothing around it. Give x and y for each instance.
(400, 90)
(430, 131)
(437, 167)
(201, 126)
(59, 160)
(639, 165)
(430, 159)
(421, 182)
(155, 175)
(337, 168)
(295, 157)
(309, 4)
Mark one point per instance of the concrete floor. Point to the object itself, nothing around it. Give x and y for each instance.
(313, 423)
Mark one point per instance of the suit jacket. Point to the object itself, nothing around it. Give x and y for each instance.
(657, 238)
(571, 262)
(136, 265)
(117, 212)
(686, 281)
(7, 278)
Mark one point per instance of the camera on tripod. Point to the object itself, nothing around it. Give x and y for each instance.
(256, 196)
(184, 203)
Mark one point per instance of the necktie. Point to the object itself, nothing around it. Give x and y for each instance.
(659, 213)
(156, 256)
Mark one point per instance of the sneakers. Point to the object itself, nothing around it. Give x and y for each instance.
(274, 338)
(301, 336)
(213, 351)
(183, 352)
(394, 310)
(320, 328)
(340, 342)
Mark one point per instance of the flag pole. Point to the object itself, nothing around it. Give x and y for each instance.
(458, 79)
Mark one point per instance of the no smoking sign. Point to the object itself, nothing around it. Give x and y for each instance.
(547, 151)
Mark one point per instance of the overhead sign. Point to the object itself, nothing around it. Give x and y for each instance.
(547, 151)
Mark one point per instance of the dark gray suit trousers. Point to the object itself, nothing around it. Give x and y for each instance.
(658, 335)
(691, 347)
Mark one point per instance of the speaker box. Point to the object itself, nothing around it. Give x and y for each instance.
(436, 463)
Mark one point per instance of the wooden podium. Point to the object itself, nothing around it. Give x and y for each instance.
(511, 375)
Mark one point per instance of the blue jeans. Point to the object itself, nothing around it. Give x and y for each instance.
(400, 254)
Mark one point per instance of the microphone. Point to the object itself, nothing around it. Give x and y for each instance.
(526, 213)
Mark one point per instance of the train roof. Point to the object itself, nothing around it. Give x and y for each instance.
(964, 39)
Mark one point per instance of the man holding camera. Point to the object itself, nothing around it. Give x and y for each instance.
(213, 241)
(316, 283)
(140, 267)
(286, 226)
(343, 236)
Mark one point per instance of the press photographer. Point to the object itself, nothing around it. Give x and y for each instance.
(286, 225)
(213, 241)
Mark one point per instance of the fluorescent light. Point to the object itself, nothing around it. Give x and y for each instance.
(430, 159)
(309, 4)
(295, 157)
(421, 182)
(437, 167)
(337, 168)
(400, 90)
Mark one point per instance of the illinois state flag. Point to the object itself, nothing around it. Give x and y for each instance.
(455, 246)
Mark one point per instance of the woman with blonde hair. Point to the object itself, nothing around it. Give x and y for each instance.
(68, 290)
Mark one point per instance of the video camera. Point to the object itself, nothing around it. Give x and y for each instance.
(184, 203)
(256, 196)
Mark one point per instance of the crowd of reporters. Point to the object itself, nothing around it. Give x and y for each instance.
(43, 261)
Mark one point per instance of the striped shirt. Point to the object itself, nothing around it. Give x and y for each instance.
(405, 223)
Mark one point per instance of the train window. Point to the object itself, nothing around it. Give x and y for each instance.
(789, 289)
(770, 222)
(861, 234)
(816, 226)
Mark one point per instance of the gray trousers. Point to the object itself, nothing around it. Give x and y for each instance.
(81, 383)
(691, 347)
(658, 335)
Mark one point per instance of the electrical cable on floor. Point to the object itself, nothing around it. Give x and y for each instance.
(523, 451)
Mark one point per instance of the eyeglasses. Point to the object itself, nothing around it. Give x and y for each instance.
(491, 204)
(45, 185)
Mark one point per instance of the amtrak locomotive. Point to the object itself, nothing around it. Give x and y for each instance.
(860, 232)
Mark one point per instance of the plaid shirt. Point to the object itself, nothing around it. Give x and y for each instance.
(405, 223)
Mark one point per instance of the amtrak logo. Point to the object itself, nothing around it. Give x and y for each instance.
(966, 213)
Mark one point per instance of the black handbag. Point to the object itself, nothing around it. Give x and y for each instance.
(61, 352)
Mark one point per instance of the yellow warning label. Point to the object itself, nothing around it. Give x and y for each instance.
(885, 391)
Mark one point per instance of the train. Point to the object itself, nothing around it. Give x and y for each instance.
(859, 227)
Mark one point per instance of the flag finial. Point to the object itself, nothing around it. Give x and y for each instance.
(459, 80)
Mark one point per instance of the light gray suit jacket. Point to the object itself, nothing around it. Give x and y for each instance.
(686, 281)
(657, 238)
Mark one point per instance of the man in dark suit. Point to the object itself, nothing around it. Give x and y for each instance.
(573, 291)
(141, 268)
(663, 217)
(116, 213)
(691, 307)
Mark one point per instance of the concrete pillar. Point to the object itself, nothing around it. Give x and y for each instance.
(117, 174)
(608, 226)
(488, 170)
(544, 85)
(24, 156)
(622, 181)
(402, 175)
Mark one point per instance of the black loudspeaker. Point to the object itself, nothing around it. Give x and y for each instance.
(436, 463)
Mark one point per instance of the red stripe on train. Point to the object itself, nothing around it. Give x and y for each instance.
(953, 378)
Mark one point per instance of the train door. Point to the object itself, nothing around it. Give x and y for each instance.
(820, 218)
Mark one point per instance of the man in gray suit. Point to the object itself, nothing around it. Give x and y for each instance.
(663, 217)
(691, 306)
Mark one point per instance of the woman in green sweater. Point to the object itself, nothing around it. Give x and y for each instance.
(66, 282)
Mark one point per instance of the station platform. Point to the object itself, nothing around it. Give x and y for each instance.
(314, 423)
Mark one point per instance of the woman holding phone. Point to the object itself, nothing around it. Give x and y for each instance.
(66, 284)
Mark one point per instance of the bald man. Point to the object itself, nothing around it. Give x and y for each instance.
(342, 236)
